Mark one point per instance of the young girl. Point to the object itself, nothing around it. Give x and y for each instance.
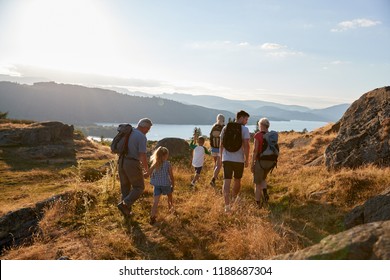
(161, 178)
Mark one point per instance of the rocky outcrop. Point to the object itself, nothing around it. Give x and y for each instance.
(48, 142)
(364, 133)
(375, 209)
(365, 242)
(37, 134)
(178, 148)
(18, 226)
(39, 141)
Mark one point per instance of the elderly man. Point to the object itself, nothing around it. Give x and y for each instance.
(133, 167)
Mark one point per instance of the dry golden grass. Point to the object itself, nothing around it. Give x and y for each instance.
(307, 203)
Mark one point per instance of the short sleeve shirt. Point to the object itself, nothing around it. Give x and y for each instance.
(239, 155)
(160, 177)
(198, 157)
(137, 144)
(259, 137)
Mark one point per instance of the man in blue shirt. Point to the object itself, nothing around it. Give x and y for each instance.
(134, 167)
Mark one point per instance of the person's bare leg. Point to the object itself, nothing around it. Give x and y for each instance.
(236, 188)
(156, 200)
(226, 193)
(170, 202)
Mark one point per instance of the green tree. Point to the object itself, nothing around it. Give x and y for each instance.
(3, 115)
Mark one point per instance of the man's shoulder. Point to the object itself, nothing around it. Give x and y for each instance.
(245, 132)
(138, 134)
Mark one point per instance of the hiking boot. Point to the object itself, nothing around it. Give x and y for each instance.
(259, 204)
(228, 209)
(125, 210)
(212, 183)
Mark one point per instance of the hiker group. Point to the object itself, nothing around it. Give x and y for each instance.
(229, 148)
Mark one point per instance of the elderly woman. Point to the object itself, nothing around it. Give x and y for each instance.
(214, 143)
(260, 167)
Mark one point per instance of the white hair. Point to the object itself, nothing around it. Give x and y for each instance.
(145, 122)
(264, 121)
(221, 119)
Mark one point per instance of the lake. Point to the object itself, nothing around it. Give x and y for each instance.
(160, 131)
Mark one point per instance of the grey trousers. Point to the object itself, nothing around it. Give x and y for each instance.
(132, 180)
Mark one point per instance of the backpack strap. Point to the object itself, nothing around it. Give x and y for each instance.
(126, 149)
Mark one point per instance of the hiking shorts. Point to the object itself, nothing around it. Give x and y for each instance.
(215, 152)
(159, 190)
(198, 169)
(262, 169)
(232, 168)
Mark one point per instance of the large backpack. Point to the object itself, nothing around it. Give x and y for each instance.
(120, 142)
(232, 137)
(215, 135)
(270, 148)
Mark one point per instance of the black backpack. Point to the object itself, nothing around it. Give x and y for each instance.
(215, 135)
(232, 137)
(120, 142)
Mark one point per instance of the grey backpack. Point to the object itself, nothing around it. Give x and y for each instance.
(120, 142)
(270, 149)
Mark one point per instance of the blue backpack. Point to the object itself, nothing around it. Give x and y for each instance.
(270, 148)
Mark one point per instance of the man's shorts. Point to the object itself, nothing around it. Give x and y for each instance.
(159, 190)
(198, 169)
(262, 169)
(231, 168)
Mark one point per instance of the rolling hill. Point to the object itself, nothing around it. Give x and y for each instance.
(82, 105)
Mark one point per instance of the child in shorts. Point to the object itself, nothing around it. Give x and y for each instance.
(161, 177)
(198, 158)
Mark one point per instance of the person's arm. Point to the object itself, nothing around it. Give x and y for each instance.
(171, 177)
(192, 145)
(220, 152)
(254, 153)
(150, 171)
(144, 161)
(246, 151)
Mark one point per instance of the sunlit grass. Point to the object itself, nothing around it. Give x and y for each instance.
(306, 204)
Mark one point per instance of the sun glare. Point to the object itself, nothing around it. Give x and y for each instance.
(71, 35)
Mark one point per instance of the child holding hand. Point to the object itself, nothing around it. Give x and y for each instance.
(161, 177)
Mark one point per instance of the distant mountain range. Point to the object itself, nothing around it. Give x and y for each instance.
(83, 105)
(271, 110)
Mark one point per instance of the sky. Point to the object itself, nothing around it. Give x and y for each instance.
(301, 52)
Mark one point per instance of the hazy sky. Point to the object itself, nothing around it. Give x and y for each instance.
(305, 52)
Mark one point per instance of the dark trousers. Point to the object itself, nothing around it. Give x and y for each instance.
(132, 180)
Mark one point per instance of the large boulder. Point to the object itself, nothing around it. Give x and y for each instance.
(364, 134)
(178, 148)
(365, 242)
(374, 209)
